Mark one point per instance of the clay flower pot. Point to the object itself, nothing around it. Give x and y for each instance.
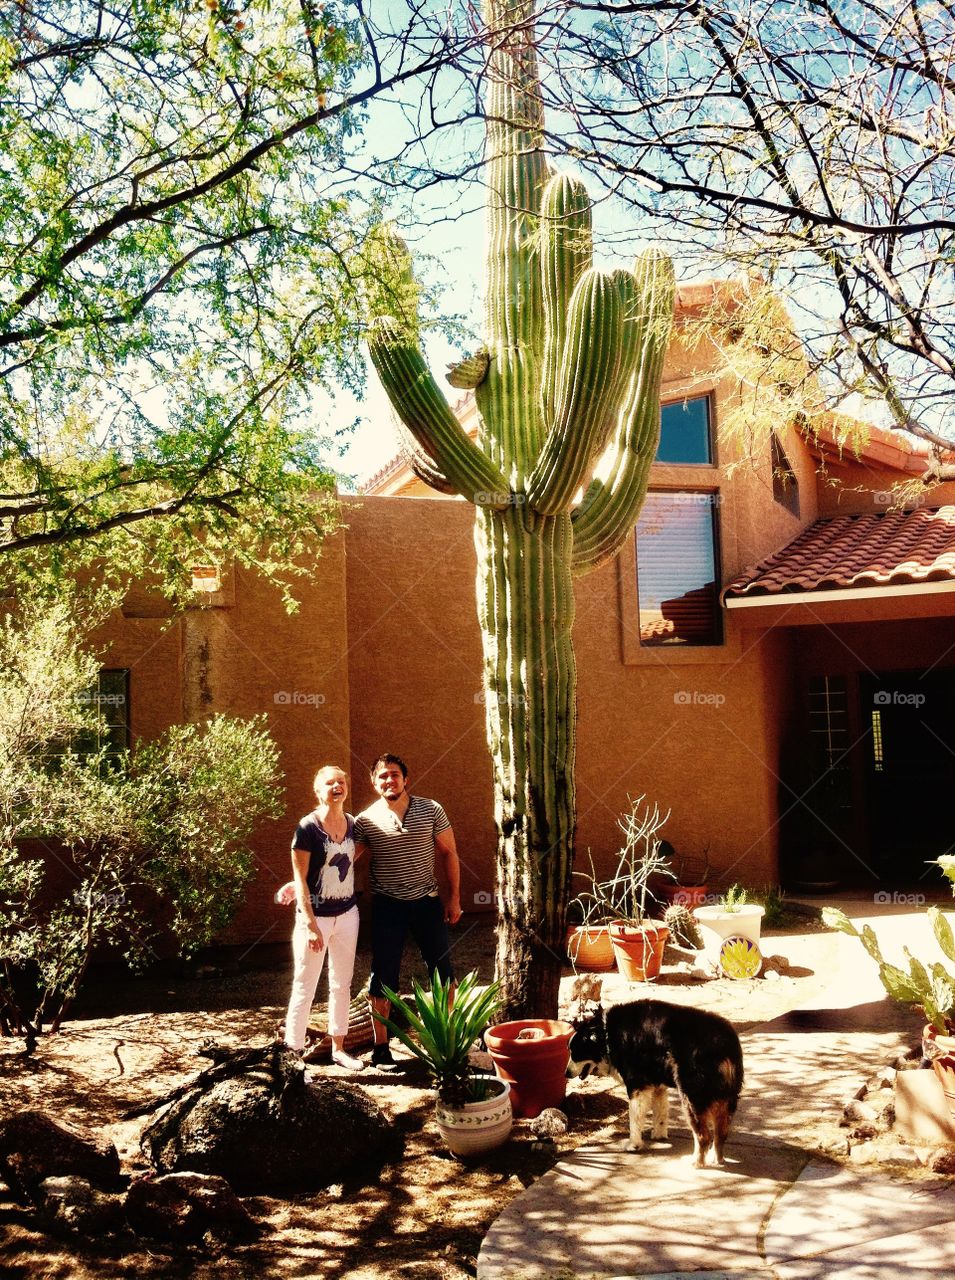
(944, 1068)
(480, 1126)
(588, 947)
(532, 1056)
(638, 948)
(718, 924)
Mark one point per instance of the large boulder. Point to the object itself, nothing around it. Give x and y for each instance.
(265, 1128)
(72, 1204)
(33, 1148)
(187, 1206)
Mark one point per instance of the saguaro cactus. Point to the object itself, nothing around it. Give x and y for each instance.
(571, 370)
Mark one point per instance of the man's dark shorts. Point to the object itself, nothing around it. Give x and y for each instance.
(392, 920)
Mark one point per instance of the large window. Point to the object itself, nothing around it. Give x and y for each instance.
(678, 569)
(685, 431)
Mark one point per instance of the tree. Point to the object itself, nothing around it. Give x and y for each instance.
(572, 367)
(179, 268)
(146, 843)
(808, 140)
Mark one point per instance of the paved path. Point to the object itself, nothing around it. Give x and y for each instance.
(774, 1211)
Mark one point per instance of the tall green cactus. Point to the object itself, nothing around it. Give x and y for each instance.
(574, 360)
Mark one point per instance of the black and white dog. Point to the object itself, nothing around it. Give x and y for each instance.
(650, 1046)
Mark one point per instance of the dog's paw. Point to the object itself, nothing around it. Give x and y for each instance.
(629, 1145)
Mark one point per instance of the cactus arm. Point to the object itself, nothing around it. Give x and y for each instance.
(943, 931)
(588, 392)
(422, 407)
(566, 253)
(421, 462)
(611, 505)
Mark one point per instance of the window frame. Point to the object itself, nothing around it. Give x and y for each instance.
(717, 638)
(686, 399)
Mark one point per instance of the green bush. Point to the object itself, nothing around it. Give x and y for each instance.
(154, 839)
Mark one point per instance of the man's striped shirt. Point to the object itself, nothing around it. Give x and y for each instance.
(402, 850)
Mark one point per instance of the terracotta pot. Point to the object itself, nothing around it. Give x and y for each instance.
(588, 947)
(639, 949)
(935, 1044)
(477, 1126)
(944, 1068)
(686, 895)
(532, 1056)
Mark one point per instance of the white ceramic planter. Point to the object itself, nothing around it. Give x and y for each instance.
(477, 1126)
(717, 924)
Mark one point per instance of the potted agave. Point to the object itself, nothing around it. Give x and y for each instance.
(625, 899)
(472, 1111)
(928, 986)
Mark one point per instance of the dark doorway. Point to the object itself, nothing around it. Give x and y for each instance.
(909, 774)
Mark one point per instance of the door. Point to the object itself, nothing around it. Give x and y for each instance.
(910, 769)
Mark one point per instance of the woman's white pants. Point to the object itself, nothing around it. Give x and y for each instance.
(340, 934)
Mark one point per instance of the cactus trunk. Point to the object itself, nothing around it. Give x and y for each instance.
(572, 365)
(526, 607)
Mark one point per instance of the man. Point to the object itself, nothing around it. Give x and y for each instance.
(405, 835)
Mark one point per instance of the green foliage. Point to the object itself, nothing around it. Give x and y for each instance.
(143, 841)
(929, 987)
(773, 901)
(168, 250)
(442, 1026)
(734, 898)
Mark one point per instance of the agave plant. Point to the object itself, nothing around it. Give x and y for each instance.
(443, 1025)
(930, 987)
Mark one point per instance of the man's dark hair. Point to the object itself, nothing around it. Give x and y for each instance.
(388, 757)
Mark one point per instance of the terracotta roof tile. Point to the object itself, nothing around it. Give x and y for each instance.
(886, 548)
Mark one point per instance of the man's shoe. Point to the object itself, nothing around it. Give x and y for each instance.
(382, 1059)
(342, 1059)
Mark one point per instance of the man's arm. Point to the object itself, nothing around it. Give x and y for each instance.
(445, 846)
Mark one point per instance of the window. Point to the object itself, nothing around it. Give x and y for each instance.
(678, 569)
(685, 434)
(785, 485)
(111, 698)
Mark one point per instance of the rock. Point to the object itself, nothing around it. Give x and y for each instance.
(551, 1123)
(72, 1204)
(887, 1115)
(187, 1206)
(942, 1160)
(900, 1155)
(861, 1092)
(855, 1112)
(34, 1148)
(264, 1128)
(864, 1132)
(886, 1079)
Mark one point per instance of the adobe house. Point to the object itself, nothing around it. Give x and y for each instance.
(772, 657)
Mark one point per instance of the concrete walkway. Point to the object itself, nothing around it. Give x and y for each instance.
(775, 1211)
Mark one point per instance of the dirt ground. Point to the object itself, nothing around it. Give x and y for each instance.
(137, 1039)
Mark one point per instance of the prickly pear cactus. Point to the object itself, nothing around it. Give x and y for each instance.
(574, 359)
